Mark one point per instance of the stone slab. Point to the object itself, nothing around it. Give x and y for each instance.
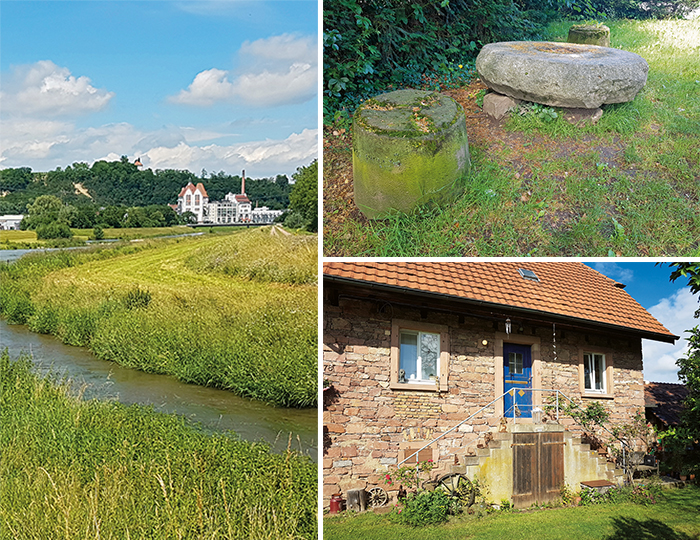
(562, 74)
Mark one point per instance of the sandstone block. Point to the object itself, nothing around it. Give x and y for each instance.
(562, 74)
(579, 117)
(589, 34)
(497, 105)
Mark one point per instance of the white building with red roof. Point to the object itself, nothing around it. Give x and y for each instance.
(193, 199)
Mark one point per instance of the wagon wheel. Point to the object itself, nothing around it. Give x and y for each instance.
(458, 486)
(377, 497)
(430, 485)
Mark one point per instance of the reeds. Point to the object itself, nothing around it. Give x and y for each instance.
(88, 469)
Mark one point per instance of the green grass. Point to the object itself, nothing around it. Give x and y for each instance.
(73, 469)
(237, 311)
(676, 517)
(628, 186)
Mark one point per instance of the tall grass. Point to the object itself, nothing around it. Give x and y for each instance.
(74, 469)
(148, 309)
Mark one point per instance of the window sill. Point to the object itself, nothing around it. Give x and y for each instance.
(597, 396)
(428, 387)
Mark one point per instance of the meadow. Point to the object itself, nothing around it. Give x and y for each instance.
(72, 469)
(236, 311)
(28, 239)
(627, 186)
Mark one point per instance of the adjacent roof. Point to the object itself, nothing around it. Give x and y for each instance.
(569, 289)
(242, 199)
(665, 401)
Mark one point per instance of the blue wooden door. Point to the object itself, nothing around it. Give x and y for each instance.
(517, 374)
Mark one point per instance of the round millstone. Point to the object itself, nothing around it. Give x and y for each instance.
(409, 147)
(562, 74)
(590, 34)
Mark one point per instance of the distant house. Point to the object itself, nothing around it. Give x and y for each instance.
(193, 199)
(10, 222)
(664, 403)
(453, 360)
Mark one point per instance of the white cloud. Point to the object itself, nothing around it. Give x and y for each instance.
(209, 87)
(47, 90)
(265, 156)
(45, 145)
(676, 313)
(279, 70)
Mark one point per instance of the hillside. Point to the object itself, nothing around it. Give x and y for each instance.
(119, 183)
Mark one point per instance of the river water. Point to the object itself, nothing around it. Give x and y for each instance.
(215, 410)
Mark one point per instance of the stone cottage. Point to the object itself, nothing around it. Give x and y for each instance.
(411, 349)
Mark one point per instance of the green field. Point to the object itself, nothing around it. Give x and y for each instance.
(72, 469)
(675, 517)
(236, 311)
(10, 239)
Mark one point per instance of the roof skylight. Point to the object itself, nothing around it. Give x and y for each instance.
(528, 274)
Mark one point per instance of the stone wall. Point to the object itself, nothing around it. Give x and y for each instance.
(370, 426)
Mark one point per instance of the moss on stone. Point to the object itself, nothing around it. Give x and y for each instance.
(409, 147)
(589, 34)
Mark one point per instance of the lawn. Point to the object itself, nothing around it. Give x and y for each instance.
(676, 517)
(628, 186)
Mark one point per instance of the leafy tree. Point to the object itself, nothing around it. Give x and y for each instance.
(684, 441)
(44, 210)
(304, 196)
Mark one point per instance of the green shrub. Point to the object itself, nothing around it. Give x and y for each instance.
(425, 508)
(53, 230)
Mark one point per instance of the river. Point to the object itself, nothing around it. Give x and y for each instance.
(215, 410)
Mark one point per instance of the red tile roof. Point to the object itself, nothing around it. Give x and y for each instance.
(665, 401)
(191, 188)
(569, 289)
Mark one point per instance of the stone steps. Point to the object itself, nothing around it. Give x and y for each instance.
(470, 464)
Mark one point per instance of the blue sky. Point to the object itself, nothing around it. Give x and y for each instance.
(216, 85)
(671, 303)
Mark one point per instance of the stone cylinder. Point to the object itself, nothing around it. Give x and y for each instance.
(409, 147)
(590, 34)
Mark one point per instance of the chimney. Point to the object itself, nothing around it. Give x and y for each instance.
(243, 183)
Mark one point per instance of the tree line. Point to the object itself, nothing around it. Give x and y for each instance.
(121, 183)
(119, 195)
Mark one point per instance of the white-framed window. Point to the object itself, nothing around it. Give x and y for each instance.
(594, 373)
(419, 357)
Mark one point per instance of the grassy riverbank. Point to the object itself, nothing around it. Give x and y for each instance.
(237, 312)
(87, 469)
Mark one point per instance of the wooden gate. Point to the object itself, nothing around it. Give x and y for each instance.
(538, 467)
